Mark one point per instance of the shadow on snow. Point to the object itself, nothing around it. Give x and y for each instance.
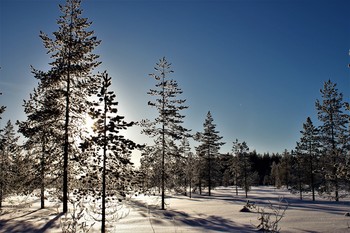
(26, 226)
(181, 219)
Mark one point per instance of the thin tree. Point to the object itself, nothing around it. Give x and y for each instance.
(3, 161)
(70, 74)
(185, 157)
(41, 129)
(167, 125)
(111, 149)
(276, 174)
(209, 146)
(299, 168)
(286, 167)
(333, 132)
(9, 152)
(242, 166)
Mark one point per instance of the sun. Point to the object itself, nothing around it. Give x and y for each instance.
(89, 124)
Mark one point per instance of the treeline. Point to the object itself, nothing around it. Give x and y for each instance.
(62, 156)
(319, 163)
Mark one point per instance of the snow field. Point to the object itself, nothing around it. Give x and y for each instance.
(218, 213)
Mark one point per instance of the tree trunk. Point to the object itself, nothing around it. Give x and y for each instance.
(103, 222)
(1, 179)
(66, 149)
(1, 188)
(299, 181)
(236, 179)
(209, 165)
(163, 143)
(245, 178)
(312, 178)
(42, 179)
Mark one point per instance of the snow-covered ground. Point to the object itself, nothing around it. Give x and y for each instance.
(217, 213)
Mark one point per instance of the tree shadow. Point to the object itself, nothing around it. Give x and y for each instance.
(183, 219)
(13, 225)
(52, 223)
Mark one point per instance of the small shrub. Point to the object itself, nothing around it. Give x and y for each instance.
(270, 216)
(74, 220)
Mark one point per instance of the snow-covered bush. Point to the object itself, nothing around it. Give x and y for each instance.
(270, 216)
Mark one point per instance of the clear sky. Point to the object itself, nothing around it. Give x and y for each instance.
(256, 65)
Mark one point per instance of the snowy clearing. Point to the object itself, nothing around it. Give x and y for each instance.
(217, 213)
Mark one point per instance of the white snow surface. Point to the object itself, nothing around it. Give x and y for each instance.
(216, 213)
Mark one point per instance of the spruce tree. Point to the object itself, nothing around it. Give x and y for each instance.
(209, 146)
(70, 75)
(167, 125)
(333, 135)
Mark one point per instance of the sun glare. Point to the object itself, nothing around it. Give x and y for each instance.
(89, 124)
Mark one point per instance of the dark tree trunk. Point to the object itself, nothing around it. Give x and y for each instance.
(66, 149)
(103, 222)
(42, 178)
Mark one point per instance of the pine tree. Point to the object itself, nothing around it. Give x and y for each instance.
(44, 138)
(9, 154)
(275, 174)
(309, 147)
(209, 146)
(190, 165)
(299, 169)
(70, 74)
(286, 167)
(185, 157)
(111, 151)
(333, 134)
(242, 166)
(151, 167)
(167, 126)
(235, 171)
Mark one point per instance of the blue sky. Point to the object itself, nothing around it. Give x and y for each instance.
(257, 66)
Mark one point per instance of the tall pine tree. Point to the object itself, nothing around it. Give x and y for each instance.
(167, 125)
(333, 132)
(110, 163)
(70, 75)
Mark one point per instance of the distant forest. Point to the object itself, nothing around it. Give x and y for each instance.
(62, 155)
